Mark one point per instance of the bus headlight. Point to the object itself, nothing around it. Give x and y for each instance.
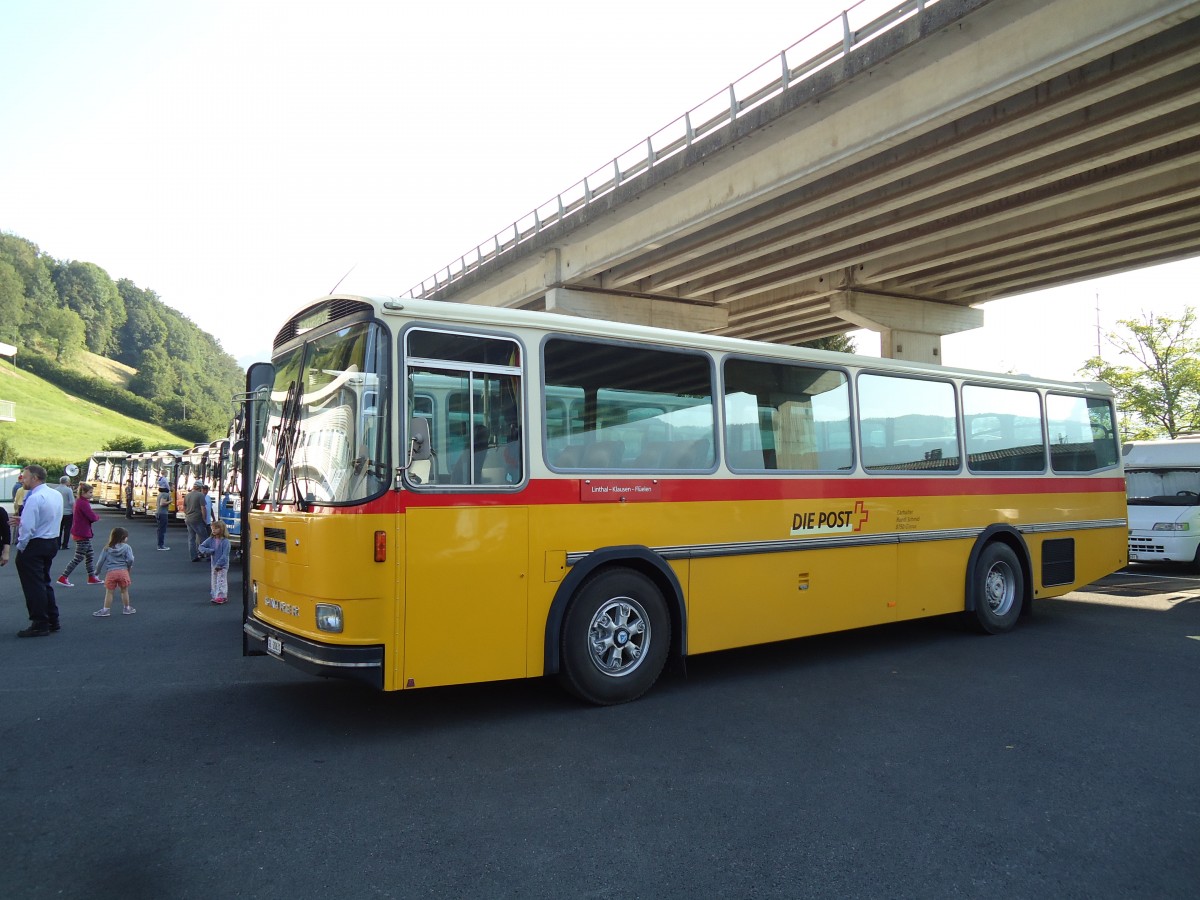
(329, 617)
(1170, 526)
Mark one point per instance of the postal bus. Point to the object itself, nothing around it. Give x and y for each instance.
(106, 472)
(447, 493)
(227, 483)
(216, 464)
(194, 465)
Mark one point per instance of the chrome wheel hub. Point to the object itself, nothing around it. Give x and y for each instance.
(619, 636)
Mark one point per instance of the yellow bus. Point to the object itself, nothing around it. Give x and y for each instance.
(106, 473)
(194, 465)
(448, 493)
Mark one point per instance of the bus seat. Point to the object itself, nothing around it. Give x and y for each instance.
(688, 455)
(652, 454)
(603, 455)
(569, 457)
(493, 470)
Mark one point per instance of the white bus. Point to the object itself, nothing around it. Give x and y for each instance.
(1162, 480)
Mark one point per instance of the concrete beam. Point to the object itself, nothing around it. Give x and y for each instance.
(660, 313)
(908, 328)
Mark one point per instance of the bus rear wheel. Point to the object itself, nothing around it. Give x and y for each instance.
(615, 637)
(999, 589)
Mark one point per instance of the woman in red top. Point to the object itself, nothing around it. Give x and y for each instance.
(81, 529)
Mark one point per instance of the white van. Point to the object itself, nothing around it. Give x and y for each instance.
(1162, 480)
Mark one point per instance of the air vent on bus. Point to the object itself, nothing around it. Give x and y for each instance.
(275, 539)
(314, 317)
(1058, 561)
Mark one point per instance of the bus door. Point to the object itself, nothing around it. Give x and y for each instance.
(466, 531)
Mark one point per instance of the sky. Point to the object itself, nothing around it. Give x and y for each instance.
(242, 157)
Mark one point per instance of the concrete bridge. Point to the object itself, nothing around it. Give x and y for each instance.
(888, 174)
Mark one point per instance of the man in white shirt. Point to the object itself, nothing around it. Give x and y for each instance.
(37, 542)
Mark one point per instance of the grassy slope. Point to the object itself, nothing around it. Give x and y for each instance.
(106, 369)
(52, 425)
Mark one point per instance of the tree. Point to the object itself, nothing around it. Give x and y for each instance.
(1161, 393)
(12, 302)
(33, 267)
(157, 379)
(144, 327)
(842, 343)
(89, 291)
(63, 331)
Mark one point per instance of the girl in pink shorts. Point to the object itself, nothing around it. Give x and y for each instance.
(113, 565)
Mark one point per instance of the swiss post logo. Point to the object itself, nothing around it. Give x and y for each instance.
(832, 520)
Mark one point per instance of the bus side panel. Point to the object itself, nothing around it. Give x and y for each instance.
(467, 595)
(743, 600)
(932, 578)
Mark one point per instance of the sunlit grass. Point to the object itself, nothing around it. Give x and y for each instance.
(53, 426)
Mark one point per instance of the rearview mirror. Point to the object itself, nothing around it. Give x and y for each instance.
(420, 451)
(418, 439)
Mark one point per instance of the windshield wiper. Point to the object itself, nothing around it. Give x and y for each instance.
(288, 444)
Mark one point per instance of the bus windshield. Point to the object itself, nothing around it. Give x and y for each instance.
(327, 440)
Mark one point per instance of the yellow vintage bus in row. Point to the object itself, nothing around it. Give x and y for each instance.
(448, 493)
(106, 474)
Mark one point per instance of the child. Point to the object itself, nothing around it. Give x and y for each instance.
(114, 563)
(216, 548)
(81, 529)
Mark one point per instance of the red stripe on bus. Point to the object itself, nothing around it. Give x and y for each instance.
(567, 491)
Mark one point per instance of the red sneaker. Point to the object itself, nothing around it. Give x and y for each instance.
(92, 579)
(62, 579)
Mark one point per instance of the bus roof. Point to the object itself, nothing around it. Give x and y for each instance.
(502, 317)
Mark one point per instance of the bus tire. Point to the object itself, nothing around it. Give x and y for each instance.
(999, 589)
(615, 637)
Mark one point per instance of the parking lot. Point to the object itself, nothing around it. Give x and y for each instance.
(145, 757)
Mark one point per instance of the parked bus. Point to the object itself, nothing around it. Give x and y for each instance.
(448, 493)
(227, 484)
(1163, 479)
(136, 470)
(194, 465)
(106, 472)
(141, 478)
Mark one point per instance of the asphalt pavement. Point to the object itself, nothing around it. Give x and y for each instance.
(144, 757)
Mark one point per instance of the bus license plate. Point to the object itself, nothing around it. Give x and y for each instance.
(274, 646)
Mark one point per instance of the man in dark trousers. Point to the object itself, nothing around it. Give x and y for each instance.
(193, 517)
(65, 491)
(37, 542)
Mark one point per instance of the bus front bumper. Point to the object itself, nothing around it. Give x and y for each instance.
(357, 663)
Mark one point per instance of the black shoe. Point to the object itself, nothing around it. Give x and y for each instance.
(54, 626)
(197, 558)
(34, 631)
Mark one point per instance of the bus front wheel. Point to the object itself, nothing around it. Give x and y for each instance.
(999, 589)
(615, 637)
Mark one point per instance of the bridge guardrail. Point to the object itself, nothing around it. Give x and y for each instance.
(824, 45)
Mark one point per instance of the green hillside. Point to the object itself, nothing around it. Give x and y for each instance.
(53, 427)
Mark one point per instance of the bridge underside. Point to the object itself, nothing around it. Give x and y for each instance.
(982, 149)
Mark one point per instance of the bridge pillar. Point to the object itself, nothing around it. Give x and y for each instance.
(908, 328)
(659, 312)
